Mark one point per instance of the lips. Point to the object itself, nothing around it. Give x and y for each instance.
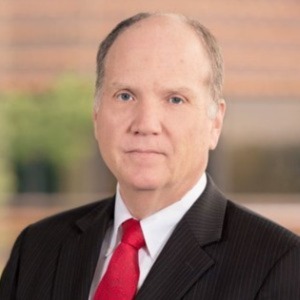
(144, 153)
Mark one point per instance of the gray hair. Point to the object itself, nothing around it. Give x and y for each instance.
(207, 39)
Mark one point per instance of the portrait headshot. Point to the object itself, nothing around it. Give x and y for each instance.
(169, 232)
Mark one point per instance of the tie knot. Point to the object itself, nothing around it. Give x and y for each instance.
(132, 234)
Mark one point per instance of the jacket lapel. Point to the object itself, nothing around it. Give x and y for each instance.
(79, 254)
(183, 260)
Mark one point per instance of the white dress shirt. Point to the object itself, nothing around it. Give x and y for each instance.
(157, 228)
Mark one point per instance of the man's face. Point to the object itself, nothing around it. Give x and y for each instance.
(152, 123)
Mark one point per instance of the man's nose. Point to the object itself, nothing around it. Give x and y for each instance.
(147, 118)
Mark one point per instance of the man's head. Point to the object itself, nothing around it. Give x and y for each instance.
(154, 121)
(205, 37)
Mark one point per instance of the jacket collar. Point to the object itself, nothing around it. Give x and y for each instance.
(181, 263)
(80, 251)
(184, 260)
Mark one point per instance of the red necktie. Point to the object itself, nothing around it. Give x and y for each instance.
(122, 275)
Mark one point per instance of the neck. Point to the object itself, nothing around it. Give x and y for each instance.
(143, 203)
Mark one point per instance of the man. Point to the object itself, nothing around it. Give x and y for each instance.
(158, 112)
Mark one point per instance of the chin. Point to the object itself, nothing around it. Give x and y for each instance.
(144, 184)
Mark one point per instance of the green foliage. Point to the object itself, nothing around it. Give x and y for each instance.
(6, 175)
(54, 125)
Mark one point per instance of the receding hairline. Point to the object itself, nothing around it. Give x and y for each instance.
(204, 36)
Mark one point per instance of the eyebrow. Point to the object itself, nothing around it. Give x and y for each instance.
(118, 85)
(180, 89)
(170, 89)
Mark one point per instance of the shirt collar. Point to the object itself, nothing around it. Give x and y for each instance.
(158, 227)
(121, 214)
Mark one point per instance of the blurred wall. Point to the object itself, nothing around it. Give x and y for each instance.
(260, 39)
(41, 40)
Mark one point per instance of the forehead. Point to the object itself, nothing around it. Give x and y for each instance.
(159, 42)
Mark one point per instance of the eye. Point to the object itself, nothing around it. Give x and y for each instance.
(176, 100)
(124, 97)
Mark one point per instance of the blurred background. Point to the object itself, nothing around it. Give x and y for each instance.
(49, 160)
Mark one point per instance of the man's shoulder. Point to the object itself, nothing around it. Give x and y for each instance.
(260, 232)
(64, 222)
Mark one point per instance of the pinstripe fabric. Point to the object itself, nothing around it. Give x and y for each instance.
(218, 251)
(56, 258)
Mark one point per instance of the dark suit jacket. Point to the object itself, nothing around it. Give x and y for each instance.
(217, 251)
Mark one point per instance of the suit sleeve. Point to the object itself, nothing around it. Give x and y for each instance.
(9, 278)
(283, 281)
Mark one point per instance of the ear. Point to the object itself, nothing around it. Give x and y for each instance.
(217, 123)
(95, 122)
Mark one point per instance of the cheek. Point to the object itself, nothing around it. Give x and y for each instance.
(196, 141)
(104, 134)
(106, 124)
(110, 136)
